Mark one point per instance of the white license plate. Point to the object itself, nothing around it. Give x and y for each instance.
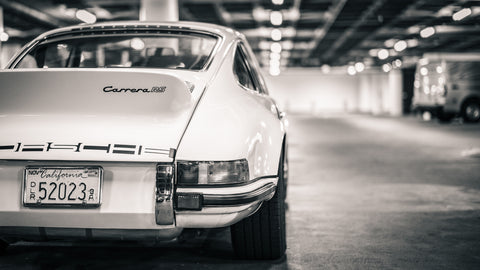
(62, 186)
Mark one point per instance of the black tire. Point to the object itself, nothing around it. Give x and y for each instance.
(471, 111)
(445, 117)
(262, 236)
(285, 172)
(3, 246)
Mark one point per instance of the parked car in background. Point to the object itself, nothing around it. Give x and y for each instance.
(448, 85)
(138, 131)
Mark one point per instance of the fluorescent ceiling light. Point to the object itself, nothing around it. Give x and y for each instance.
(276, 34)
(264, 45)
(277, 2)
(427, 32)
(274, 62)
(383, 54)
(397, 63)
(387, 67)
(259, 14)
(276, 47)
(287, 45)
(137, 44)
(276, 18)
(3, 36)
(274, 55)
(85, 16)
(373, 52)
(412, 43)
(351, 70)
(400, 45)
(359, 66)
(390, 42)
(274, 71)
(461, 14)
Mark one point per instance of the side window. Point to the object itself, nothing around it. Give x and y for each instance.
(241, 72)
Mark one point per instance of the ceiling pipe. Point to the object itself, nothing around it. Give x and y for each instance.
(353, 29)
(334, 11)
(32, 13)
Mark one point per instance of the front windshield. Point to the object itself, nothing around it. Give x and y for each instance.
(190, 52)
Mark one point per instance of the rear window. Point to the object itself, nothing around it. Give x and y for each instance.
(190, 52)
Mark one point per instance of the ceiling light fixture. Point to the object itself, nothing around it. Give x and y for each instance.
(276, 47)
(274, 55)
(383, 54)
(373, 52)
(85, 16)
(259, 14)
(427, 32)
(359, 67)
(287, 45)
(3, 37)
(276, 34)
(424, 71)
(276, 18)
(137, 44)
(412, 43)
(274, 70)
(389, 43)
(387, 67)
(461, 14)
(277, 2)
(397, 63)
(275, 62)
(400, 45)
(351, 70)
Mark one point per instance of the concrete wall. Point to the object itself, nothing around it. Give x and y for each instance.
(312, 92)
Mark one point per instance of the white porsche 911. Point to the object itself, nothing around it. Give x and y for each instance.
(139, 131)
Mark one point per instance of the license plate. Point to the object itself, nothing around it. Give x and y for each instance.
(63, 186)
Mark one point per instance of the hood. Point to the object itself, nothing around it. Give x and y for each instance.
(94, 114)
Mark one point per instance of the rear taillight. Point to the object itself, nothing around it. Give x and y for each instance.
(163, 194)
(212, 172)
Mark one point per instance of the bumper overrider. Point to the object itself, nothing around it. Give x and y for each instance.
(186, 195)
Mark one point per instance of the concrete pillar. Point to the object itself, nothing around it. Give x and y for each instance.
(159, 10)
(364, 96)
(1, 31)
(395, 86)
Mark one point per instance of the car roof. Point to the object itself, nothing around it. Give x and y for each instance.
(224, 32)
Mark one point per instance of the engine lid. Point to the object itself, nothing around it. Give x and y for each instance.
(92, 114)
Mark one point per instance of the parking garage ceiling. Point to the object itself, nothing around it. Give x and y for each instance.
(311, 33)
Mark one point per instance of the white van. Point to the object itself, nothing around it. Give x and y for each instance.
(448, 85)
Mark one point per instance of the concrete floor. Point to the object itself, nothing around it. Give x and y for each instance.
(364, 193)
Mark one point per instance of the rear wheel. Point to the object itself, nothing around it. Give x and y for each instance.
(3, 246)
(262, 235)
(445, 117)
(471, 111)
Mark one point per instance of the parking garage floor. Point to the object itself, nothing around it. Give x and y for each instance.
(364, 193)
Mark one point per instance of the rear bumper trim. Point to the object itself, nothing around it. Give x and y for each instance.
(242, 198)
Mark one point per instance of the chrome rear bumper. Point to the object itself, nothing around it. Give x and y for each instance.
(224, 206)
